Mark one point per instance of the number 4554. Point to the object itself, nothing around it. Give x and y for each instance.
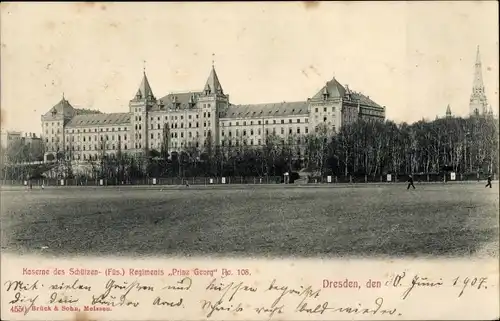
(17, 309)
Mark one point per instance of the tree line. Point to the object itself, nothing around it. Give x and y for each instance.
(371, 148)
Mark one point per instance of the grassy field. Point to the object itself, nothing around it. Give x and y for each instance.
(453, 220)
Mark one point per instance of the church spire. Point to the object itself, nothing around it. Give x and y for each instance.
(478, 102)
(448, 111)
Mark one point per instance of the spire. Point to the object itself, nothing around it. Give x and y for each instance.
(478, 101)
(213, 86)
(478, 74)
(144, 91)
(448, 111)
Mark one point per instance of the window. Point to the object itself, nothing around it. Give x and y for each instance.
(209, 114)
(298, 121)
(282, 121)
(282, 130)
(244, 123)
(316, 109)
(324, 119)
(158, 126)
(290, 130)
(290, 121)
(324, 109)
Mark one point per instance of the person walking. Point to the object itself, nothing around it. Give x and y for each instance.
(489, 181)
(410, 182)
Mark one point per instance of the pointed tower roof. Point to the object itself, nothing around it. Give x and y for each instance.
(62, 108)
(478, 73)
(448, 111)
(144, 91)
(333, 88)
(213, 85)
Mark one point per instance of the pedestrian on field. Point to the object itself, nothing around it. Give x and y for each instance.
(410, 182)
(489, 182)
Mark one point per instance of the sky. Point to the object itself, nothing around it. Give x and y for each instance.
(415, 58)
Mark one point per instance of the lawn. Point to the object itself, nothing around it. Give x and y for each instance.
(366, 221)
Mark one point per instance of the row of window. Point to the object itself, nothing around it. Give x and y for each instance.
(324, 109)
(96, 147)
(257, 142)
(94, 130)
(251, 131)
(106, 137)
(290, 121)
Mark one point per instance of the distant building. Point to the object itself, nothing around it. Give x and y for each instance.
(198, 119)
(34, 143)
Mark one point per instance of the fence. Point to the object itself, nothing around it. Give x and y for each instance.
(148, 181)
(395, 178)
(352, 179)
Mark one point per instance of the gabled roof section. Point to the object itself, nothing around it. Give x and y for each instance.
(213, 85)
(144, 91)
(100, 120)
(363, 100)
(63, 107)
(182, 100)
(297, 108)
(332, 88)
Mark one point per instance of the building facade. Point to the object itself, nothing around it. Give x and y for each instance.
(199, 119)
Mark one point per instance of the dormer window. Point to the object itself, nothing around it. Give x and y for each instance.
(207, 89)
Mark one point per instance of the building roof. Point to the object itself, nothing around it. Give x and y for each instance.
(63, 107)
(144, 90)
(267, 110)
(363, 100)
(86, 111)
(183, 100)
(213, 85)
(333, 88)
(99, 120)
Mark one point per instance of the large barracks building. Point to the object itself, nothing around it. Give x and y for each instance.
(181, 121)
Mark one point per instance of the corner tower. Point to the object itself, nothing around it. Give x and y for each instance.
(213, 103)
(140, 106)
